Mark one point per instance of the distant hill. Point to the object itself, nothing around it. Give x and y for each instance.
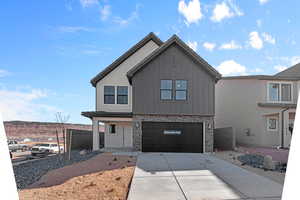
(28, 129)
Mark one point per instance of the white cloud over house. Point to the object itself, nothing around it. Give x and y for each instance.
(125, 21)
(230, 45)
(231, 68)
(22, 105)
(280, 68)
(263, 1)
(105, 12)
(4, 73)
(225, 9)
(255, 40)
(190, 11)
(193, 45)
(268, 38)
(88, 3)
(209, 46)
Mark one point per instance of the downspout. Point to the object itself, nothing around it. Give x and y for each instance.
(282, 127)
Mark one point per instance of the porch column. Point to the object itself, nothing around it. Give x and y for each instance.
(95, 135)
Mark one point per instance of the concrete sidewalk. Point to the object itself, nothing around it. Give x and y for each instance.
(188, 176)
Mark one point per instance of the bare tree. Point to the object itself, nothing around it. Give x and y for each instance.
(61, 120)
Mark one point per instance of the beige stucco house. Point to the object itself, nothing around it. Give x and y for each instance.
(260, 108)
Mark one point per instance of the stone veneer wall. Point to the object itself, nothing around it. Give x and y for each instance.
(138, 119)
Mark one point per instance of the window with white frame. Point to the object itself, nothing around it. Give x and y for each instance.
(280, 92)
(272, 123)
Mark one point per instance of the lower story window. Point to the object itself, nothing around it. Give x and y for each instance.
(272, 124)
(112, 128)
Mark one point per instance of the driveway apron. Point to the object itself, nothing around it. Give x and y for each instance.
(193, 176)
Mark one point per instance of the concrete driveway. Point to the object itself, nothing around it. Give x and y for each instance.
(188, 176)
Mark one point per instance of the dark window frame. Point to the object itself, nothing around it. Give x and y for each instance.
(112, 129)
(109, 95)
(122, 95)
(169, 90)
(185, 90)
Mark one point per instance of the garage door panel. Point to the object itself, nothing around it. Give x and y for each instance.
(189, 140)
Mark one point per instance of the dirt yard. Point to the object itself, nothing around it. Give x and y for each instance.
(103, 177)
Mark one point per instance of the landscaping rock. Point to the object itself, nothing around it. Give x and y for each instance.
(30, 172)
(268, 163)
(82, 152)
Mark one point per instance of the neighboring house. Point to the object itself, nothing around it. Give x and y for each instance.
(158, 96)
(260, 108)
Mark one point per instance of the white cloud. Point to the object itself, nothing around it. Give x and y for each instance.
(105, 12)
(4, 73)
(255, 41)
(231, 45)
(225, 9)
(280, 68)
(88, 3)
(263, 1)
(209, 46)
(295, 60)
(133, 16)
(268, 38)
(74, 29)
(191, 11)
(259, 22)
(257, 70)
(193, 45)
(230, 68)
(22, 105)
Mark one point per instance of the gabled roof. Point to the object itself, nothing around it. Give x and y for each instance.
(132, 50)
(261, 77)
(173, 40)
(293, 71)
(290, 74)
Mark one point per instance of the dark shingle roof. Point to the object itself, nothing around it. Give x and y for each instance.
(168, 43)
(132, 50)
(293, 71)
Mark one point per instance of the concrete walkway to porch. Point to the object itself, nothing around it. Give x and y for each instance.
(192, 176)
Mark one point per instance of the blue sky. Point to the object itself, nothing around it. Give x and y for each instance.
(51, 49)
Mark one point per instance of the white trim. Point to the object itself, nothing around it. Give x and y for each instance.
(277, 123)
(280, 83)
(113, 119)
(203, 137)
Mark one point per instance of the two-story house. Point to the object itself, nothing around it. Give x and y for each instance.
(260, 108)
(157, 97)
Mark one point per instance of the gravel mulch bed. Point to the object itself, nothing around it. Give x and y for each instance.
(257, 161)
(30, 172)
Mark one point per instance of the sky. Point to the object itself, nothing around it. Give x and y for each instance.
(50, 49)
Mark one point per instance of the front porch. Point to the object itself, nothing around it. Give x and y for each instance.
(117, 130)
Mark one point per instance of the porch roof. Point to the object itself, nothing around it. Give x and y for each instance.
(91, 114)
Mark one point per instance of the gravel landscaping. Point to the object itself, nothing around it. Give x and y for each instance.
(30, 172)
(257, 161)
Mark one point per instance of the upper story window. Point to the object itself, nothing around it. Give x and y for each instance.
(109, 94)
(166, 88)
(122, 95)
(180, 89)
(280, 92)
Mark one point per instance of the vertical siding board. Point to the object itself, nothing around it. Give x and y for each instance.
(173, 64)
